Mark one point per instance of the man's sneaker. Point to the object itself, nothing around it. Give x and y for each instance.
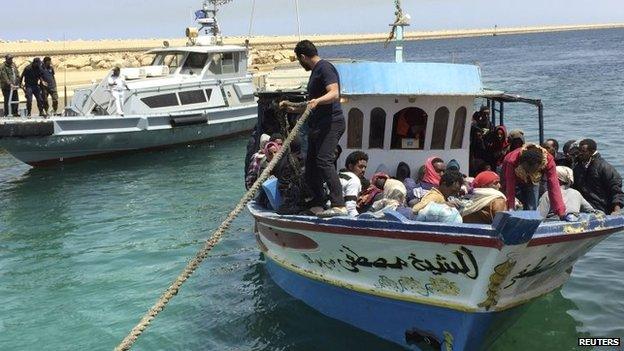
(334, 212)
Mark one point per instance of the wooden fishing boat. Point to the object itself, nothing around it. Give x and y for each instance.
(420, 285)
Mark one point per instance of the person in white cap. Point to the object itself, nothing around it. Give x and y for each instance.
(572, 199)
(117, 85)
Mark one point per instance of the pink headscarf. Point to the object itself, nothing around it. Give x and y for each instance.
(268, 147)
(431, 176)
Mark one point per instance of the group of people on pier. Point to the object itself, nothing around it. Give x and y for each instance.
(505, 173)
(38, 80)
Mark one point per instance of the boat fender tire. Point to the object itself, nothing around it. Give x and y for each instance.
(188, 120)
(30, 129)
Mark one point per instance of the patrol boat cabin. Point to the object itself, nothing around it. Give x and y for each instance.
(179, 79)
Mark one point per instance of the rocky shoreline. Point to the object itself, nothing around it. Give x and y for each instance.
(97, 62)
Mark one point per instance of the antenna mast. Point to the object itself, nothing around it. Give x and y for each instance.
(207, 19)
(298, 20)
(398, 29)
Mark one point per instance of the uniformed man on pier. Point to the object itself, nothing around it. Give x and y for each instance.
(31, 77)
(9, 76)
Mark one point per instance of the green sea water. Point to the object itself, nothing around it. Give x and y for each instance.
(87, 248)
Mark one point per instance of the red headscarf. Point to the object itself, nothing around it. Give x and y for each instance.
(485, 178)
(431, 176)
(368, 195)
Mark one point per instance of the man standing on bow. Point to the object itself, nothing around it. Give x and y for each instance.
(9, 83)
(326, 125)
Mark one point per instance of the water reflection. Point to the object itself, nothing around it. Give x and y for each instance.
(280, 322)
(545, 325)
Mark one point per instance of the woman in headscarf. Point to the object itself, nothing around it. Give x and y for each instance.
(485, 200)
(373, 192)
(393, 198)
(270, 150)
(403, 174)
(572, 199)
(478, 151)
(256, 162)
(453, 165)
(497, 146)
(434, 168)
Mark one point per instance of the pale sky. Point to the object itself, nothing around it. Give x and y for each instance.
(110, 19)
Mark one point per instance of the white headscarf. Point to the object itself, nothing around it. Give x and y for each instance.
(264, 139)
(565, 175)
(394, 194)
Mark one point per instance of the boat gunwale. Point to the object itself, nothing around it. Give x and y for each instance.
(479, 235)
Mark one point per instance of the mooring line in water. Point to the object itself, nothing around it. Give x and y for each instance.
(194, 263)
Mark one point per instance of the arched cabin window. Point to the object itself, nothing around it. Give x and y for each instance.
(459, 125)
(354, 131)
(377, 128)
(440, 122)
(408, 129)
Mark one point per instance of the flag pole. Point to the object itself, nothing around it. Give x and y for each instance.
(298, 19)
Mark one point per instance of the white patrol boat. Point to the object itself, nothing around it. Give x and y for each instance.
(188, 94)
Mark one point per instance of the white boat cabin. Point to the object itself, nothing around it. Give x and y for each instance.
(408, 112)
(179, 79)
(200, 76)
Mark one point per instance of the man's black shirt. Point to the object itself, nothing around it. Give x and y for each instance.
(600, 184)
(323, 74)
(32, 75)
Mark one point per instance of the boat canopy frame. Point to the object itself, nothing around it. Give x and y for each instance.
(494, 97)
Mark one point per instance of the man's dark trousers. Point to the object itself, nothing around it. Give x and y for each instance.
(322, 142)
(36, 91)
(6, 93)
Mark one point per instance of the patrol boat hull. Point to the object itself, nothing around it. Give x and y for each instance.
(39, 142)
(423, 285)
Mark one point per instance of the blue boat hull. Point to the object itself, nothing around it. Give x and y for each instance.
(412, 325)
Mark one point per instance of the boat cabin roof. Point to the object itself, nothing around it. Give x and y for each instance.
(200, 49)
(410, 78)
(408, 112)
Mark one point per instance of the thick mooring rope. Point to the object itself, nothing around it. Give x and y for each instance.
(194, 263)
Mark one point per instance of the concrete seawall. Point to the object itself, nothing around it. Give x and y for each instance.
(75, 47)
(78, 62)
(83, 55)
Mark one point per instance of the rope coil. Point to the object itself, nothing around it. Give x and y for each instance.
(210, 243)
